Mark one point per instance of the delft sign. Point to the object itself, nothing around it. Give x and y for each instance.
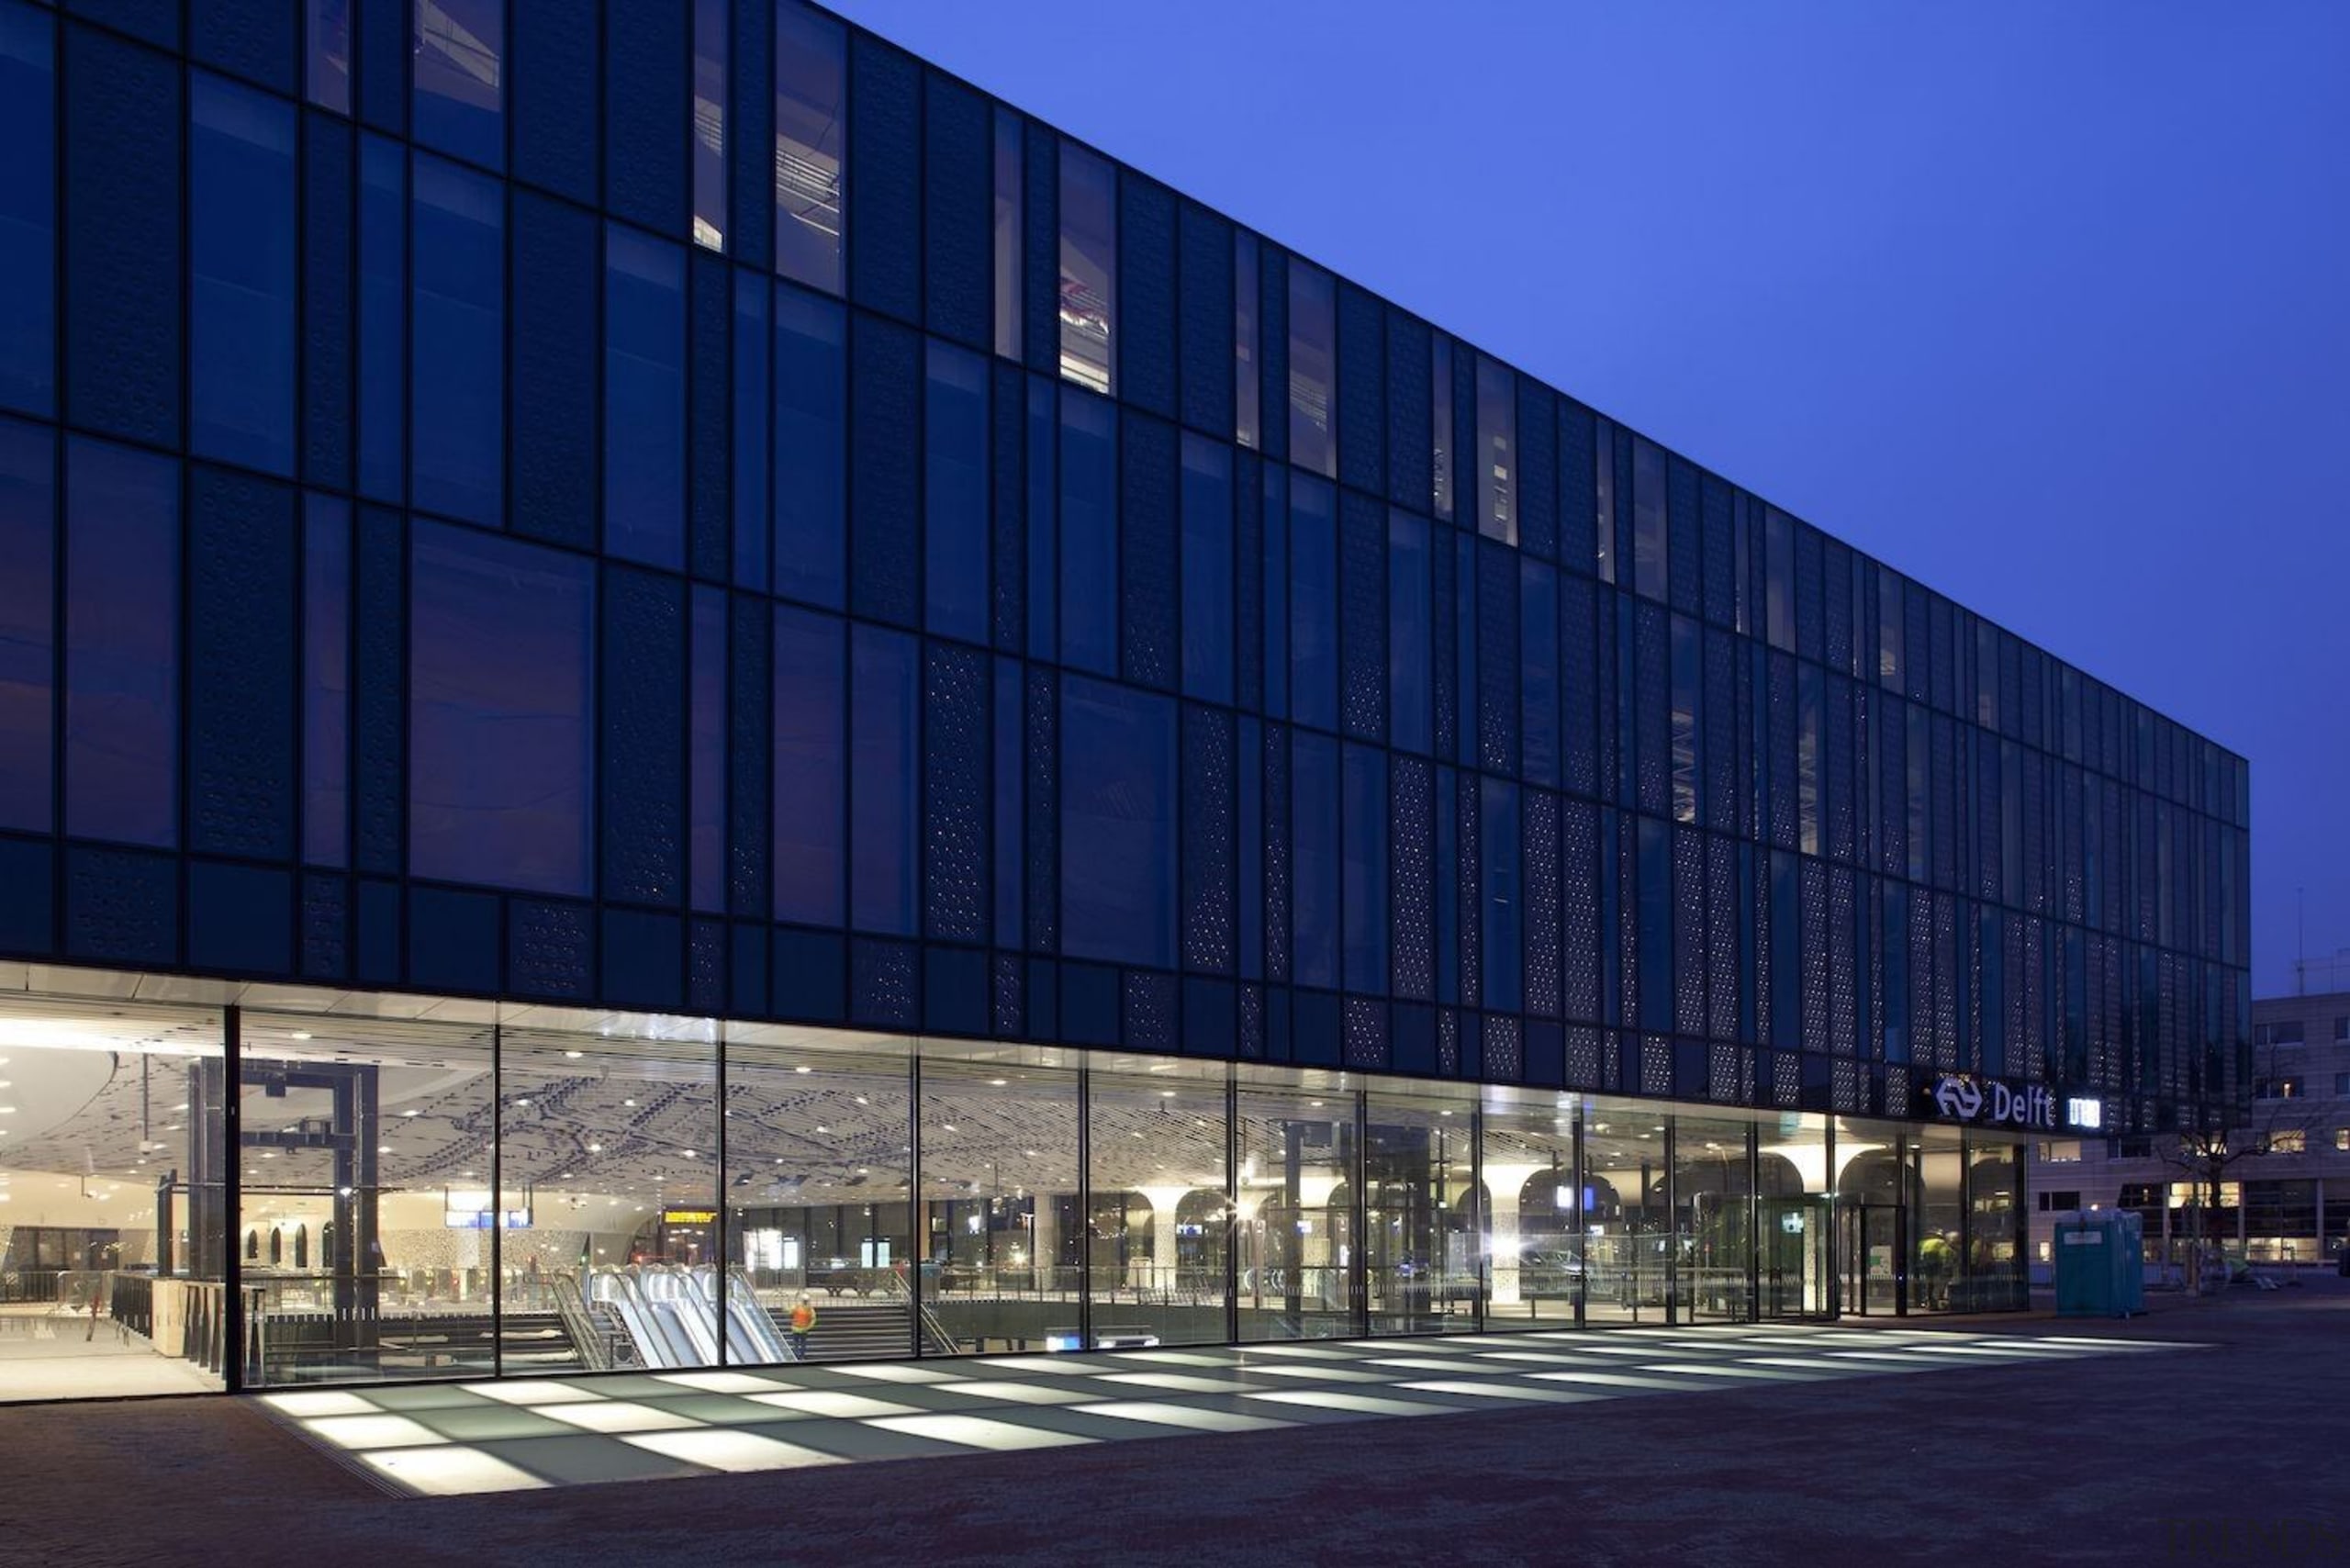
(1987, 1101)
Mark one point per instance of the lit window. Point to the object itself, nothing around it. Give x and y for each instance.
(1088, 268)
(811, 135)
(710, 124)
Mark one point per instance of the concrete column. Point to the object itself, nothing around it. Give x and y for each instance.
(1043, 1240)
(1503, 1235)
(1159, 1271)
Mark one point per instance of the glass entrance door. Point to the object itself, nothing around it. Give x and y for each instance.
(1873, 1241)
(1792, 1256)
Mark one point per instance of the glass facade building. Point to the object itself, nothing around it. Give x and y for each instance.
(654, 659)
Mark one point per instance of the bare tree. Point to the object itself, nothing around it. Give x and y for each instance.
(2221, 1125)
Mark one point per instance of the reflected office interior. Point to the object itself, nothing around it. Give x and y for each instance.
(207, 1185)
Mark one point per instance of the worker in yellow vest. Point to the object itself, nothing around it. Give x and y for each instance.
(803, 1320)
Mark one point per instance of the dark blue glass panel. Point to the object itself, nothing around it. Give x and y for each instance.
(1364, 814)
(240, 275)
(382, 319)
(378, 717)
(27, 626)
(557, 76)
(1089, 517)
(1149, 590)
(642, 683)
(1314, 865)
(1146, 296)
(1118, 863)
(29, 209)
(1007, 525)
(1252, 849)
(1207, 569)
(884, 185)
(1786, 973)
(706, 753)
(710, 285)
(456, 395)
(1313, 603)
(885, 471)
(811, 436)
(1538, 641)
(954, 753)
(1497, 657)
(750, 762)
(884, 674)
(1362, 616)
(1209, 886)
(1502, 929)
(955, 499)
(329, 166)
(501, 703)
(121, 317)
(1009, 747)
(750, 134)
(1409, 632)
(1043, 526)
(644, 398)
(1275, 556)
(1655, 896)
(1893, 1003)
(557, 263)
(753, 527)
(810, 767)
(1467, 643)
(1204, 323)
(648, 104)
(252, 38)
(957, 199)
(326, 681)
(122, 665)
(458, 82)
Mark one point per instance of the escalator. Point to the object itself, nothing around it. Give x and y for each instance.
(751, 1337)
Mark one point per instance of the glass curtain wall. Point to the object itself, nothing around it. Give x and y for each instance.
(1159, 1227)
(1295, 1252)
(1626, 1214)
(1713, 1218)
(367, 1236)
(819, 1152)
(1420, 1231)
(114, 1234)
(1794, 1244)
(1533, 1211)
(607, 1194)
(1003, 1240)
(1937, 1163)
(442, 1194)
(1994, 1279)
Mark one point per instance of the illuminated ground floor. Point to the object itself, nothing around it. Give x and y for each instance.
(248, 1186)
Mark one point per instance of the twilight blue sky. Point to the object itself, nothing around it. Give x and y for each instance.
(2047, 305)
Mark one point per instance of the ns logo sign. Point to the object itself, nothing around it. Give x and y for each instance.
(1964, 1099)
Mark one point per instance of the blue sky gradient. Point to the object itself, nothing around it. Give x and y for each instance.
(2046, 305)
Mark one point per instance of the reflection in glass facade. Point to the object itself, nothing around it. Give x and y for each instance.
(722, 523)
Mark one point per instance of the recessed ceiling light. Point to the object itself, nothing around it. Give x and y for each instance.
(572, 1055)
(800, 1069)
(301, 1034)
(383, 1148)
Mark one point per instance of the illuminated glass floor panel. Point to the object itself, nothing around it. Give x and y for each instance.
(451, 1438)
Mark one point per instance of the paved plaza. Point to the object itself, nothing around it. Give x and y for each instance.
(2197, 1435)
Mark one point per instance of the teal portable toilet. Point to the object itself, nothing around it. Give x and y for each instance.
(2099, 1269)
